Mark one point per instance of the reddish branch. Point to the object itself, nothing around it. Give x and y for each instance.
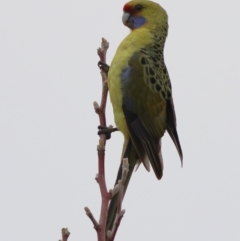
(100, 110)
(65, 234)
(100, 226)
(120, 189)
(100, 178)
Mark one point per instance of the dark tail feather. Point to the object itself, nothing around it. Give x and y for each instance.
(131, 154)
(173, 134)
(172, 127)
(149, 145)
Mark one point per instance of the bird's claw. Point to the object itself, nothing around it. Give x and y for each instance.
(103, 66)
(106, 131)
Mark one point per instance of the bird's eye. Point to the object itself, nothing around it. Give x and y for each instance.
(138, 7)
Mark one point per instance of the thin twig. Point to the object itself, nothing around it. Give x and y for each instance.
(100, 226)
(102, 52)
(90, 215)
(65, 234)
(120, 188)
(104, 193)
(112, 234)
(101, 147)
(100, 178)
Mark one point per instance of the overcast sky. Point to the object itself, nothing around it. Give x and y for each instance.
(48, 81)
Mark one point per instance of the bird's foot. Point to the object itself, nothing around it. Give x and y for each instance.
(106, 131)
(104, 67)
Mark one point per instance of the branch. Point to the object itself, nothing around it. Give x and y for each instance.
(100, 178)
(106, 196)
(101, 147)
(105, 133)
(100, 110)
(65, 234)
(90, 215)
(120, 190)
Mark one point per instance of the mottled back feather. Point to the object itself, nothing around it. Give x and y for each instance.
(146, 89)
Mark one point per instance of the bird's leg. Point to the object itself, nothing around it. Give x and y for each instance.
(104, 67)
(106, 131)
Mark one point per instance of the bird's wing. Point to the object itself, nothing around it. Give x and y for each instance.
(145, 92)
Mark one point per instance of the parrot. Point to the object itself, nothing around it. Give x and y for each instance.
(141, 93)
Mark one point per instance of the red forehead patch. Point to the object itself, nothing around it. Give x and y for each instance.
(127, 8)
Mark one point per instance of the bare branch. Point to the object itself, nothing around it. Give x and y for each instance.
(65, 234)
(90, 215)
(120, 189)
(111, 234)
(105, 133)
(100, 177)
(102, 52)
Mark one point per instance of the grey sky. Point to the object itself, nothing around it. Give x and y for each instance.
(48, 82)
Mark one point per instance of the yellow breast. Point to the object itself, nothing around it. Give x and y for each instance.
(136, 40)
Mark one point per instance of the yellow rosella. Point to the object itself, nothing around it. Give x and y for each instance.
(140, 90)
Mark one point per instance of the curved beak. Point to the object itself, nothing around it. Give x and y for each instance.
(125, 18)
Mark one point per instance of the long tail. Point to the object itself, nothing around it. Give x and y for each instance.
(172, 127)
(132, 156)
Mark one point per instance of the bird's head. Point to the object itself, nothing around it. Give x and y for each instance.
(138, 13)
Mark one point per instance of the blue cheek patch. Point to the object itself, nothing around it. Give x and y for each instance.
(137, 21)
